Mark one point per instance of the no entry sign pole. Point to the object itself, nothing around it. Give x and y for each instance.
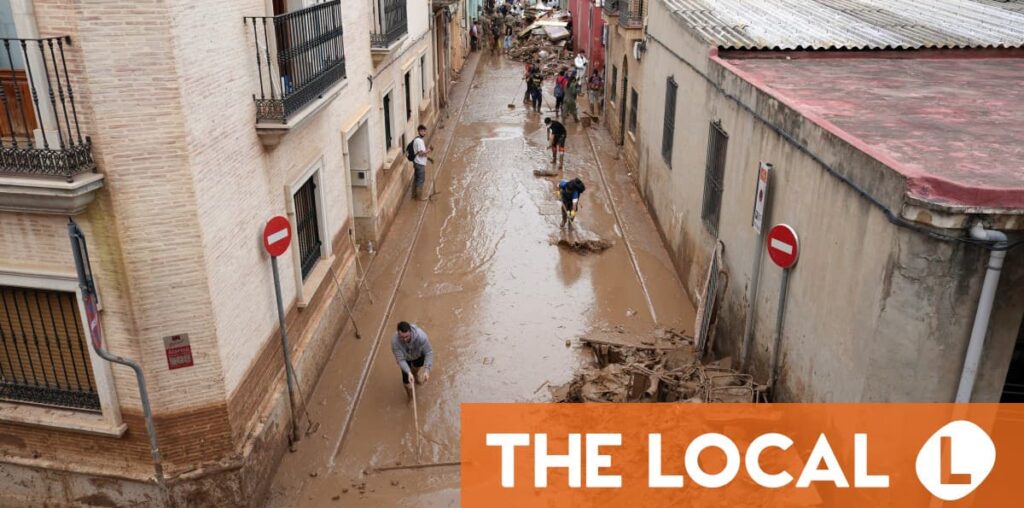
(783, 248)
(277, 236)
(764, 173)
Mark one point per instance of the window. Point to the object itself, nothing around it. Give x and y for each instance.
(44, 357)
(307, 226)
(713, 176)
(423, 75)
(615, 79)
(633, 99)
(669, 130)
(388, 142)
(408, 96)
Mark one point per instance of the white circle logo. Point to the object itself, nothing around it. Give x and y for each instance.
(955, 460)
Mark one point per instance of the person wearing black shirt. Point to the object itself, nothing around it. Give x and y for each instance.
(557, 135)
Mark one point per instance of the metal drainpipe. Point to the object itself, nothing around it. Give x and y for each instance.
(984, 312)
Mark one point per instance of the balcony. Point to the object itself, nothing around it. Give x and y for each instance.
(46, 163)
(611, 7)
(631, 13)
(300, 62)
(391, 28)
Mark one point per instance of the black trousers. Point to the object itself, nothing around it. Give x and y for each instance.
(413, 364)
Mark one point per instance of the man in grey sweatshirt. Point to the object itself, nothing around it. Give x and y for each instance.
(413, 353)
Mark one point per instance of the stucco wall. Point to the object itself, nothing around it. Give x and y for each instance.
(875, 312)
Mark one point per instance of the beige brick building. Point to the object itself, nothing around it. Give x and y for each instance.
(172, 131)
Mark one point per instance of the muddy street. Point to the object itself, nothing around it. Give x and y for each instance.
(478, 267)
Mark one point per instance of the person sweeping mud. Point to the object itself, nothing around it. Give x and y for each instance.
(415, 357)
(557, 135)
(569, 191)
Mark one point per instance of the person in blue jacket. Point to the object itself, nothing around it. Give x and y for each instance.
(569, 191)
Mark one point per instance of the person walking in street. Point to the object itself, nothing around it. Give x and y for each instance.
(414, 355)
(419, 162)
(569, 101)
(581, 65)
(474, 36)
(497, 29)
(595, 89)
(561, 82)
(556, 135)
(569, 191)
(508, 37)
(536, 81)
(527, 72)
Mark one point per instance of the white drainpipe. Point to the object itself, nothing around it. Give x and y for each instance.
(981, 317)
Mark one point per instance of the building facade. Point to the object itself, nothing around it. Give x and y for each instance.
(624, 66)
(883, 303)
(171, 132)
(588, 30)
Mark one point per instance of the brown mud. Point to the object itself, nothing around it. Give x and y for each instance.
(476, 269)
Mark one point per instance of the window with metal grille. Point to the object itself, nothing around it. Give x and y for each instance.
(634, 99)
(669, 131)
(713, 176)
(44, 356)
(423, 76)
(615, 79)
(307, 226)
(388, 142)
(408, 96)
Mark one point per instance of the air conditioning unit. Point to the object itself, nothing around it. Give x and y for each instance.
(360, 177)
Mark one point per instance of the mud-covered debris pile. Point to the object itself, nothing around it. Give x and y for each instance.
(584, 245)
(661, 368)
(543, 40)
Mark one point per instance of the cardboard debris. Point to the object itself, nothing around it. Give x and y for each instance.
(667, 369)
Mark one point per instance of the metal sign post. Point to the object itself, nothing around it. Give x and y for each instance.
(764, 173)
(88, 288)
(783, 246)
(277, 236)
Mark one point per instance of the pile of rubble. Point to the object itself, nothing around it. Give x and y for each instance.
(663, 368)
(543, 39)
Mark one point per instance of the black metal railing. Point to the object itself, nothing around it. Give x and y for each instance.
(631, 13)
(392, 23)
(39, 130)
(308, 57)
(44, 357)
(611, 7)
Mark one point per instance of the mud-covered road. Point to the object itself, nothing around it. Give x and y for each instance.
(476, 268)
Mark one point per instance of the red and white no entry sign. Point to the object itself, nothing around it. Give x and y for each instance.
(783, 245)
(277, 235)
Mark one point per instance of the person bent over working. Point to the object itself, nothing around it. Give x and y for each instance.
(412, 351)
(569, 191)
(557, 135)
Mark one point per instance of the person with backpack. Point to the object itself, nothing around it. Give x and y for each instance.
(417, 151)
(561, 82)
(569, 192)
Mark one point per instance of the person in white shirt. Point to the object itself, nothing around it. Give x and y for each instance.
(581, 65)
(419, 163)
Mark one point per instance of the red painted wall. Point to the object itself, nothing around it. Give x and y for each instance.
(587, 35)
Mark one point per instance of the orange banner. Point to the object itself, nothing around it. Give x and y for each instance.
(742, 455)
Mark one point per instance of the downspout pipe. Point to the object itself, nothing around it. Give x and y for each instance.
(984, 312)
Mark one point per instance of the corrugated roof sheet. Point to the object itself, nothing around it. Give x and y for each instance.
(853, 24)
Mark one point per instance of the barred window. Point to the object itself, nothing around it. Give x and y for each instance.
(307, 226)
(669, 131)
(611, 88)
(714, 171)
(634, 99)
(44, 355)
(408, 96)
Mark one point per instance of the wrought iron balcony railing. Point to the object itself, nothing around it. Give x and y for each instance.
(308, 58)
(392, 23)
(611, 7)
(631, 13)
(39, 130)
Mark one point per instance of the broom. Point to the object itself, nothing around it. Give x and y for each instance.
(512, 105)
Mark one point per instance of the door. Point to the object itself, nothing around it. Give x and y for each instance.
(622, 101)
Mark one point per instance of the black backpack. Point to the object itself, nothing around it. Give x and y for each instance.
(410, 150)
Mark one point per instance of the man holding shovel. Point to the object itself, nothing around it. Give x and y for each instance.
(415, 357)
